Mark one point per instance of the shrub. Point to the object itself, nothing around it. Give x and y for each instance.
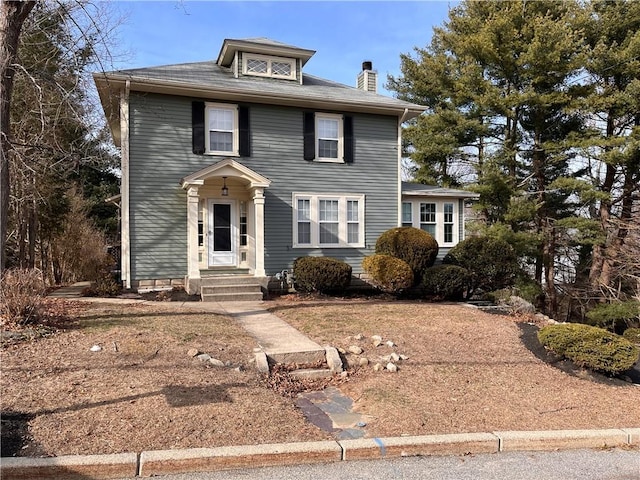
(590, 347)
(492, 263)
(321, 274)
(633, 335)
(21, 295)
(389, 274)
(445, 281)
(612, 315)
(414, 246)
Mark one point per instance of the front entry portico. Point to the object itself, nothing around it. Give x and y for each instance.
(225, 220)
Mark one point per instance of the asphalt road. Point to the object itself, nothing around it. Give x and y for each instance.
(614, 464)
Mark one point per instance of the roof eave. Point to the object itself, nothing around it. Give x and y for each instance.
(115, 82)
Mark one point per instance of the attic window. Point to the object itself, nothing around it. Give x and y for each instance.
(265, 66)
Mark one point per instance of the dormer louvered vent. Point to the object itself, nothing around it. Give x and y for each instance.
(367, 78)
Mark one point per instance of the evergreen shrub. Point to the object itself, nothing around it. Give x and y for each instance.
(590, 347)
(389, 274)
(492, 263)
(447, 282)
(612, 315)
(413, 246)
(633, 335)
(321, 274)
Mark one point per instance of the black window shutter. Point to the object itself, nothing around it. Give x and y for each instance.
(197, 127)
(309, 126)
(348, 139)
(243, 127)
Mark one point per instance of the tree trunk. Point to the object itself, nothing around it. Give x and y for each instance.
(12, 16)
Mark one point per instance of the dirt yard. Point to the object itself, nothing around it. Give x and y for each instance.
(466, 371)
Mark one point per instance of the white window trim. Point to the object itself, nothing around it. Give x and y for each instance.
(314, 202)
(339, 119)
(254, 56)
(439, 223)
(207, 138)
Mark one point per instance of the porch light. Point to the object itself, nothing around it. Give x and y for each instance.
(225, 190)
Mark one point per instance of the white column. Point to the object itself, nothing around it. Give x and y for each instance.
(193, 263)
(258, 210)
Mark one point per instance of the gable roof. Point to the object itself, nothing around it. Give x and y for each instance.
(419, 190)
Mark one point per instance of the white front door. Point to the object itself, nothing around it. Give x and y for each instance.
(223, 234)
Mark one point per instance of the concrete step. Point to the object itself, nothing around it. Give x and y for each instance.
(311, 373)
(233, 297)
(290, 356)
(226, 289)
(214, 280)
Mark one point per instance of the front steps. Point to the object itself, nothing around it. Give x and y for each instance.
(230, 288)
(326, 362)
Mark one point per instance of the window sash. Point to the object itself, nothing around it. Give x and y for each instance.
(266, 66)
(222, 129)
(448, 223)
(407, 214)
(329, 133)
(328, 221)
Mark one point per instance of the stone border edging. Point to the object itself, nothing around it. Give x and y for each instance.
(164, 462)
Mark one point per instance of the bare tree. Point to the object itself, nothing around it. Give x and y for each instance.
(12, 16)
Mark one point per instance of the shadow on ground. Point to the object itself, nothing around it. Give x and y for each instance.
(15, 439)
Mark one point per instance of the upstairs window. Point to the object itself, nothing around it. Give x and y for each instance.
(222, 129)
(265, 66)
(328, 137)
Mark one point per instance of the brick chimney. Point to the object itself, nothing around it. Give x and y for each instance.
(368, 78)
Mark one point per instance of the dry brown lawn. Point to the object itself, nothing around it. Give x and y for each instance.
(142, 391)
(467, 371)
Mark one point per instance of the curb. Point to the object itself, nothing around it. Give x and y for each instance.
(164, 462)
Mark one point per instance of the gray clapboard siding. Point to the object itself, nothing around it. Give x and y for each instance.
(160, 152)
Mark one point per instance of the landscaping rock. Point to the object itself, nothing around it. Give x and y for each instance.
(363, 361)
(378, 367)
(377, 338)
(216, 363)
(192, 352)
(96, 348)
(356, 350)
(359, 337)
(203, 357)
(403, 357)
(390, 344)
(392, 367)
(377, 343)
(394, 357)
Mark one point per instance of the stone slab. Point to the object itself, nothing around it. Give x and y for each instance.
(121, 465)
(560, 439)
(262, 364)
(634, 435)
(165, 462)
(333, 359)
(455, 444)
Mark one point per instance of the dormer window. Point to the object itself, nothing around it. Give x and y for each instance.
(266, 66)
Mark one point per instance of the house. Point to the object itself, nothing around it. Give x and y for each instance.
(244, 163)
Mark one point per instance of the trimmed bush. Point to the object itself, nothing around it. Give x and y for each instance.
(413, 246)
(321, 274)
(491, 262)
(447, 282)
(21, 294)
(590, 347)
(389, 274)
(633, 335)
(612, 315)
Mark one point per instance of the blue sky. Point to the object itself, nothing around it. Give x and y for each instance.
(343, 33)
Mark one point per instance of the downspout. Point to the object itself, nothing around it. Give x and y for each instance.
(125, 244)
(400, 122)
